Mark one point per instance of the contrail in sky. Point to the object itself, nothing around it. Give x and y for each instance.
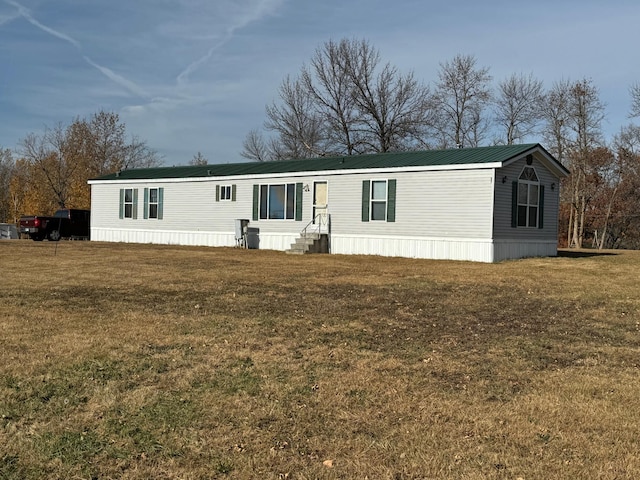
(110, 74)
(119, 79)
(254, 13)
(24, 12)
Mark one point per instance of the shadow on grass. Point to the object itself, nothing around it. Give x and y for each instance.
(584, 253)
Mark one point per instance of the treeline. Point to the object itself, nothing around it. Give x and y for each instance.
(50, 170)
(345, 101)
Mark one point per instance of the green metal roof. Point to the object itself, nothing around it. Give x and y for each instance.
(427, 158)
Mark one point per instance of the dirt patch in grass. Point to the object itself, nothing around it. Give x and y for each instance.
(140, 361)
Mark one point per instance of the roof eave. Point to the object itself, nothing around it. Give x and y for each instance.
(227, 178)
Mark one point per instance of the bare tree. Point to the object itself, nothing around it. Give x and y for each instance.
(295, 122)
(328, 83)
(255, 148)
(518, 106)
(634, 91)
(574, 116)
(344, 103)
(461, 96)
(198, 159)
(110, 149)
(622, 229)
(555, 115)
(105, 135)
(137, 154)
(394, 108)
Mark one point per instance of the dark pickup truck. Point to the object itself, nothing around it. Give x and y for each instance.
(65, 223)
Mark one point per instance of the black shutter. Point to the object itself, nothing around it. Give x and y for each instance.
(160, 202)
(145, 213)
(256, 197)
(391, 201)
(514, 204)
(541, 208)
(122, 203)
(366, 198)
(298, 202)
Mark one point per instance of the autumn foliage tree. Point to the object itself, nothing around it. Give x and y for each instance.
(54, 166)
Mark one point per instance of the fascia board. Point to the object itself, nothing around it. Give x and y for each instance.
(309, 173)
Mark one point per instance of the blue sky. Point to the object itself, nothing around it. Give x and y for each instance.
(190, 76)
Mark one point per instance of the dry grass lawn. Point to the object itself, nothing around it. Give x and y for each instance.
(140, 361)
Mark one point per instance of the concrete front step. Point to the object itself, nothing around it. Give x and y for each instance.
(311, 243)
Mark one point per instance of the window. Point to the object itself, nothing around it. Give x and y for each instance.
(277, 202)
(528, 197)
(129, 203)
(379, 200)
(153, 202)
(225, 193)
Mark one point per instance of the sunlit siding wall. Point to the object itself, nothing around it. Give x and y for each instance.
(191, 215)
(439, 214)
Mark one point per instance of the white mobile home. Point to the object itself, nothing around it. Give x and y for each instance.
(482, 204)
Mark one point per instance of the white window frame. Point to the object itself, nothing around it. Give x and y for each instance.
(128, 203)
(378, 201)
(226, 193)
(289, 204)
(152, 204)
(527, 205)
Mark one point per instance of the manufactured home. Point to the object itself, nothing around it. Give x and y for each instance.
(483, 204)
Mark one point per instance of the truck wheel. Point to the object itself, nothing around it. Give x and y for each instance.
(54, 235)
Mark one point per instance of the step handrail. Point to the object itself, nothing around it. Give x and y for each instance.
(318, 224)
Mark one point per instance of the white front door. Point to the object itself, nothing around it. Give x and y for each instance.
(320, 205)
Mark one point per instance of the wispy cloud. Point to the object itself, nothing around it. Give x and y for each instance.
(8, 18)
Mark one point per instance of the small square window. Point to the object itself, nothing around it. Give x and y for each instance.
(225, 193)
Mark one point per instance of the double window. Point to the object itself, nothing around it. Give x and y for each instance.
(379, 200)
(277, 201)
(225, 193)
(528, 200)
(152, 208)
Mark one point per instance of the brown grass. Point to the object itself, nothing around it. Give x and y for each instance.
(139, 361)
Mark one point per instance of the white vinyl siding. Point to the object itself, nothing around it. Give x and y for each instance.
(432, 204)
(438, 204)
